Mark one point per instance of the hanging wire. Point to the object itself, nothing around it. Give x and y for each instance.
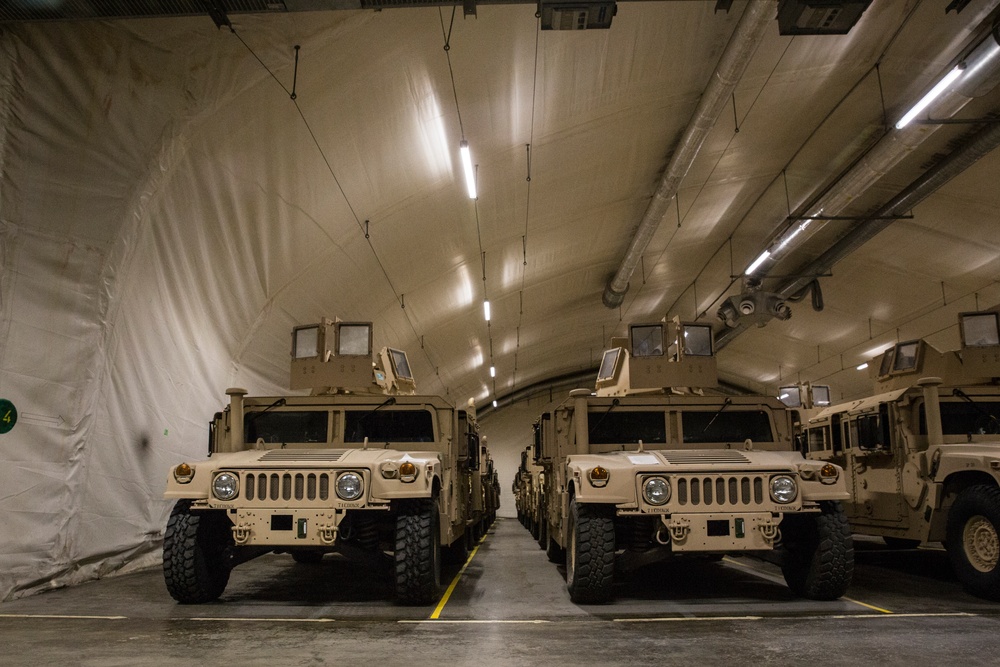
(363, 226)
(446, 34)
(527, 202)
(451, 72)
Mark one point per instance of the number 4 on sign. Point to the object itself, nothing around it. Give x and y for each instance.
(8, 415)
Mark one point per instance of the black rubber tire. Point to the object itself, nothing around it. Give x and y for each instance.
(819, 553)
(195, 566)
(590, 555)
(543, 525)
(457, 552)
(554, 552)
(978, 569)
(307, 557)
(900, 542)
(536, 525)
(418, 553)
(469, 538)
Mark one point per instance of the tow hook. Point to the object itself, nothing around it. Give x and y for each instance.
(769, 531)
(327, 533)
(241, 533)
(679, 529)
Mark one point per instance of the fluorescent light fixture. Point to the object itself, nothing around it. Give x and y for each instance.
(494, 404)
(757, 262)
(863, 366)
(783, 397)
(798, 230)
(470, 176)
(486, 309)
(493, 371)
(925, 101)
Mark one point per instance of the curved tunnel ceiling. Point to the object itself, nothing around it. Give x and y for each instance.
(175, 151)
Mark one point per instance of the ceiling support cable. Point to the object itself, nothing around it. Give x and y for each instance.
(362, 226)
(527, 207)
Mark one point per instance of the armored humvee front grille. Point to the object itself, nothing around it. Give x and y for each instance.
(720, 491)
(264, 487)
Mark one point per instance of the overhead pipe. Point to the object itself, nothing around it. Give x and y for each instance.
(982, 73)
(749, 33)
(933, 179)
(981, 144)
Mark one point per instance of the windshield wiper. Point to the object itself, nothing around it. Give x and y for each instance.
(961, 394)
(711, 421)
(614, 404)
(357, 427)
(278, 403)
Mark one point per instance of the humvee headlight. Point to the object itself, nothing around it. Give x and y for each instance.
(350, 486)
(183, 473)
(599, 477)
(783, 489)
(225, 486)
(407, 471)
(656, 490)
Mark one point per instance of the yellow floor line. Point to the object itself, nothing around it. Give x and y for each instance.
(761, 573)
(454, 582)
(866, 605)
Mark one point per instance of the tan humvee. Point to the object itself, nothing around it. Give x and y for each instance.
(652, 467)
(528, 484)
(362, 466)
(923, 453)
(490, 482)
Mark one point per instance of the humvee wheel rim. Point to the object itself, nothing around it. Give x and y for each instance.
(981, 543)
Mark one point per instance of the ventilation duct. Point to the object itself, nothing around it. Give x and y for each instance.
(576, 15)
(819, 17)
(748, 34)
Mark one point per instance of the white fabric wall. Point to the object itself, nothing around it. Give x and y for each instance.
(136, 275)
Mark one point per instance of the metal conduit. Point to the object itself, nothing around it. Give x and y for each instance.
(748, 34)
(980, 145)
(982, 65)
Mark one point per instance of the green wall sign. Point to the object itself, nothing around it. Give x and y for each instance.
(8, 415)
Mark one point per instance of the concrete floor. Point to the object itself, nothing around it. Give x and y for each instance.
(510, 607)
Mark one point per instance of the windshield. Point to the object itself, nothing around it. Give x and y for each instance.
(963, 418)
(621, 426)
(727, 426)
(389, 426)
(287, 426)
